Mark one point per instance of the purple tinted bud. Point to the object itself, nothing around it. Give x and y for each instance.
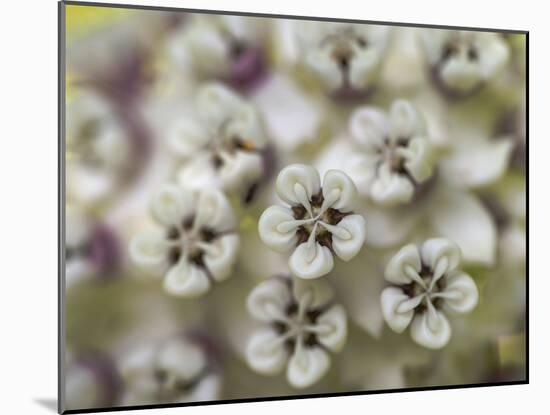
(104, 250)
(248, 68)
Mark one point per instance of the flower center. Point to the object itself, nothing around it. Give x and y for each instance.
(426, 290)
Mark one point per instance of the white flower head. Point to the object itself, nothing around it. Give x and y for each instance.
(426, 283)
(222, 146)
(198, 245)
(177, 370)
(345, 57)
(319, 222)
(396, 155)
(98, 147)
(302, 326)
(463, 61)
(224, 47)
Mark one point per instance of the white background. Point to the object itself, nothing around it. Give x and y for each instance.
(28, 212)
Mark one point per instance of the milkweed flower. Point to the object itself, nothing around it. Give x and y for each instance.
(462, 62)
(303, 324)
(222, 146)
(198, 244)
(345, 57)
(396, 155)
(426, 284)
(319, 222)
(176, 370)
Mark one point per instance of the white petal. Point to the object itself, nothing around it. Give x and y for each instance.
(441, 255)
(171, 205)
(396, 270)
(325, 67)
(240, 169)
(434, 333)
(297, 182)
(419, 159)
(187, 137)
(214, 211)
(461, 292)
(221, 256)
(389, 226)
(333, 323)
(404, 120)
(364, 67)
(477, 163)
(312, 293)
(494, 53)
(306, 366)
(265, 353)
(306, 264)
(338, 186)
(148, 250)
(247, 126)
(463, 219)
(390, 188)
(347, 248)
(186, 280)
(207, 48)
(369, 127)
(362, 170)
(199, 173)
(208, 389)
(267, 302)
(181, 357)
(216, 103)
(461, 74)
(390, 300)
(271, 235)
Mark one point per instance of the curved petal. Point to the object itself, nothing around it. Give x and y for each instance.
(349, 247)
(339, 187)
(432, 332)
(405, 121)
(307, 264)
(495, 53)
(390, 300)
(221, 256)
(441, 255)
(266, 353)
(247, 127)
(369, 127)
(267, 302)
(390, 188)
(333, 329)
(182, 358)
(187, 138)
(419, 159)
(297, 183)
(463, 219)
(461, 74)
(148, 250)
(208, 389)
(207, 48)
(312, 294)
(199, 173)
(216, 103)
(186, 280)
(397, 269)
(461, 294)
(214, 211)
(320, 61)
(306, 366)
(240, 169)
(172, 204)
(362, 170)
(271, 234)
(363, 70)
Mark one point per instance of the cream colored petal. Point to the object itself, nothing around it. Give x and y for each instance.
(221, 256)
(403, 264)
(348, 247)
(186, 280)
(419, 159)
(312, 293)
(390, 300)
(266, 353)
(495, 53)
(461, 294)
(405, 121)
(268, 301)
(332, 326)
(297, 183)
(148, 250)
(279, 239)
(441, 255)
(432, 332)
(369, 127)
(199, 173)
(306, 366)
(182, 358)
(364, 68)
(311, 262)
(362, 170)
(390, 188)
(208, 389)
(386, 227)
(187, 137)
(214, 211)
(171, 205)
(247, 126)
(320, 61)
(241, 169)
(216, 103)
(338, 186)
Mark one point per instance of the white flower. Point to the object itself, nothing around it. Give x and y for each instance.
(222, 146)
(345, 57)
(98, 148)
(396, 153)
(177, 370)
(225, 47)
(463, 61)
(426, 284)
(319, 222)
(302, 326)
(198, 245)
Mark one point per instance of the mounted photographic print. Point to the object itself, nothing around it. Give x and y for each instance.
(259, 207)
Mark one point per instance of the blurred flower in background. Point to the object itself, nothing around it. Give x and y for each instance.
(401, 151)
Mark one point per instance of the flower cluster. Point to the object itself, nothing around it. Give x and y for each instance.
(304, 193)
